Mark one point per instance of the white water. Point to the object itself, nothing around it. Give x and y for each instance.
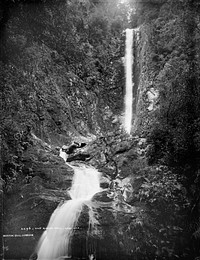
(63, 155)
(55, 241)
(129, 82)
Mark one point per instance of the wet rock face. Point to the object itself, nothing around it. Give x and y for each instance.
(78, 157)
(109, 234)
(71, 148)
(37, 192)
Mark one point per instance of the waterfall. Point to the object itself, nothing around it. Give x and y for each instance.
(129, 83)
(55, 241)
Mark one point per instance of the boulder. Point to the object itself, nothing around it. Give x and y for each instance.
(108, 235)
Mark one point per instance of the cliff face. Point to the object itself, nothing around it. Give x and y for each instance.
(168, 93)
(62, 73)
(61, 76)
(168, 79)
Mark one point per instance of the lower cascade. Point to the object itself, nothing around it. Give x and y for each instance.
(55, 241)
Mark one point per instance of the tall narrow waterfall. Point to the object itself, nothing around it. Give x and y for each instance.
(55, 241)
(129, 83)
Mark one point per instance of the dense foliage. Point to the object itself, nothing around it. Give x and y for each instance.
(173, 133)
(60, 64)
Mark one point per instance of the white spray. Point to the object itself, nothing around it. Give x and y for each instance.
(55, 241)
(129, 82)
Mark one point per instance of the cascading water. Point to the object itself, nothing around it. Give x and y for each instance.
(55, 241)
(63, 155)
(129, 82)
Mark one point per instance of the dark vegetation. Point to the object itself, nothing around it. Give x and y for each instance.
(173, 135)
(58, 58)
(49, 51)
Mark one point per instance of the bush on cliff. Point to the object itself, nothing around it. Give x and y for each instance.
(173, 137)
